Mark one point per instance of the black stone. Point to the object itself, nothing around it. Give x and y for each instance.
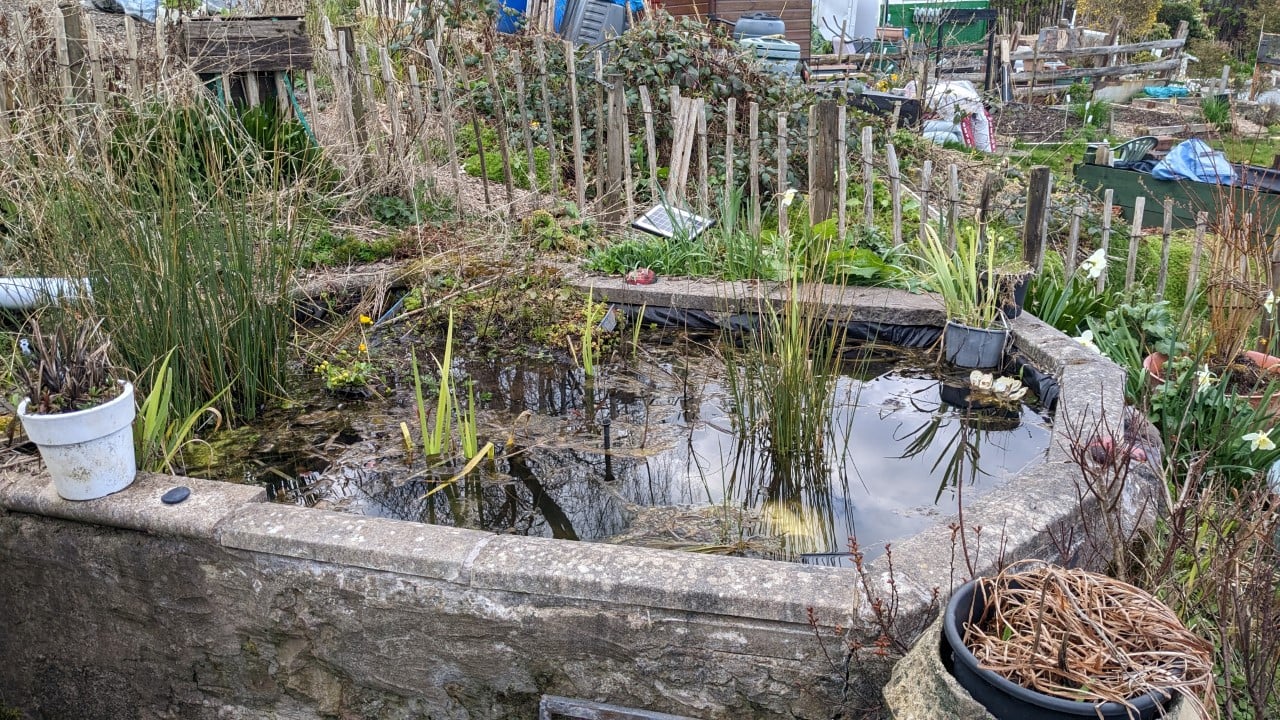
(176, 495)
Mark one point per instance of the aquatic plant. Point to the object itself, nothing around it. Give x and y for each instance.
(158, 436)
(436, 439)
(965, 278)
(188, 232)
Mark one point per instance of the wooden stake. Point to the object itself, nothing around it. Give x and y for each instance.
(782, 175)
(579, 171)
(895, 192)
(868, 180)
(1135, 237)
(650, 142)
(953, 204)
(1166, 231)
(704, 199)
(525, 120)
(842, 173)
(598, 59)
(504, 140)
(1073, 241)
(1193, 269)
(753, 170)
(553, 149)
(926, 183)
(730, 128)
(446, 115)
(1039, 188)
(1108, 197)
(824, 159)
(394, 105)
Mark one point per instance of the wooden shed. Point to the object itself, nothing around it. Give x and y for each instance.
(797, 14)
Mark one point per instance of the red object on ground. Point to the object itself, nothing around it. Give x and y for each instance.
(640, 276)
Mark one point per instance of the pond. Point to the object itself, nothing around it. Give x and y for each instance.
(681, 471)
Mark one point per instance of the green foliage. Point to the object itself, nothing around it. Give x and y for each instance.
(964, 278)
(819, 45)
(561, 228)
(519, 167)
(1129, 332)
(391, 210)
(1091, 113)
(426, 205)
(348, 372)
(159, 437)
(1203, 422)
(329, 249)
(1173, 12)
(196, 234)
(1065, 302)
(1216, 112)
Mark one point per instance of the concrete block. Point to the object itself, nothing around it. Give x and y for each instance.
(138, 506)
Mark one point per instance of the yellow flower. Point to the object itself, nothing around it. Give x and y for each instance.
(362, 348)
(366, 320)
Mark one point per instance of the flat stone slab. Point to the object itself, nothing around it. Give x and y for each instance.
(137, 507)
(431, 551)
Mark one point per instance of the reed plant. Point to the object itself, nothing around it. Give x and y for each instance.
(965, 278)
(188, 233)
(436, 439)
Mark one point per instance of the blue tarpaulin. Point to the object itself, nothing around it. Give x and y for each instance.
(1195, 160)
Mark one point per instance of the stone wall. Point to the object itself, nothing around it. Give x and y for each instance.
(229, 607)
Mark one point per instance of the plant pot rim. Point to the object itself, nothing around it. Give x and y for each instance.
(126, 391)
(1154, 365)
(997, 326)
(953, 638)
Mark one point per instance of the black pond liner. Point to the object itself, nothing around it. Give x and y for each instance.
(1007, 700)
(918, 337)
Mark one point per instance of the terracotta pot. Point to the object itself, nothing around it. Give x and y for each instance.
(1154, 364)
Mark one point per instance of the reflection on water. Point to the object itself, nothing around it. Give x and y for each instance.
(893, 458)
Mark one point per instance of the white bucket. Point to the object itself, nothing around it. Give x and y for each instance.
(89, 453)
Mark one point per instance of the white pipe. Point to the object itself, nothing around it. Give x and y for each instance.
(24, 293)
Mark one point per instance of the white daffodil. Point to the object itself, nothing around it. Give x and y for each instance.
(788, 197)
(1259, 441)
(981, 380)
(1086, 339)
(1205, 378)
(1270, 304)
(1095, 264)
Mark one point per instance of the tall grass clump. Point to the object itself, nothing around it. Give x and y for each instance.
(781, 377)
(188, 231)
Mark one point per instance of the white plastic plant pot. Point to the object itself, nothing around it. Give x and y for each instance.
(89, 453)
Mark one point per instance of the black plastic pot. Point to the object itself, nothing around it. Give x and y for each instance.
(1012, 290)
(1008, 700)
(971, 347)
(978, 413)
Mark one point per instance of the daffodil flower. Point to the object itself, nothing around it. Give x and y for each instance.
(1205, 378)
(788, 197)
(1095, 264)
(1086, 339)
(1270, 304)
(1259, 441)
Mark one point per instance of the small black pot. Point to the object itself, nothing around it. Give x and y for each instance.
(1008, 700)
(1012, 290)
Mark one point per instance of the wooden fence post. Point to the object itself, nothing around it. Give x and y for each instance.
(360, 131)
(926, 181)
(1039, 187)
(526, 129)
(1166, 230)
(504, 137)
(895, 192)
(782, 175)
(953, 204)
(1073, 242)
(753, 140)
(824, 153)
(1108, 198)
(730, 129)
(612, 200)
(842, 172)
(650, 143)
(75, 43)
(446, 114)
(579, 170)
(1135, 237)
(1193, 269)
(868, 180)
(548, 124)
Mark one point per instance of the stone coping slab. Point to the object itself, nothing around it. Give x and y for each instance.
(138, 506)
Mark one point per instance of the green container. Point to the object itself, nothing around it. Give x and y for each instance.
(903, 14)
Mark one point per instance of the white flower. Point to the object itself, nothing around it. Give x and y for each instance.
(1008, 388)
(981, 380)
(1259, 441)
(1086, 339)
(1095, 264)
(1270, 304)
(1205, 378)
(788, 197)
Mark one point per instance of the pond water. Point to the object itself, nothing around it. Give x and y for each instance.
(893, 457)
